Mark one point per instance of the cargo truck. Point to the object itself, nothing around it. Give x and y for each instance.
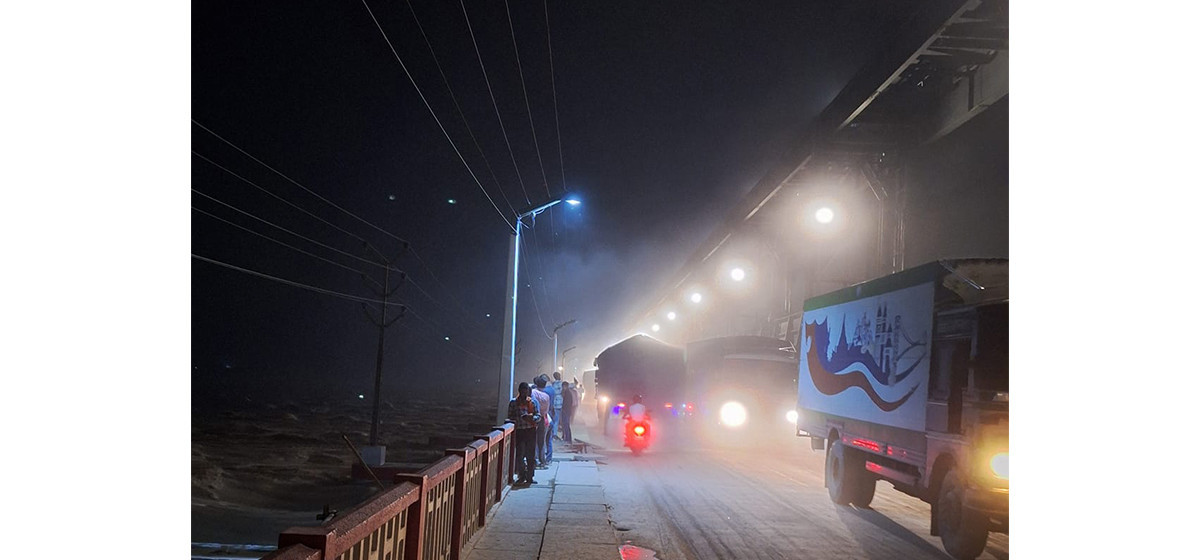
(742, 384)
(905, 379)
(638, 365)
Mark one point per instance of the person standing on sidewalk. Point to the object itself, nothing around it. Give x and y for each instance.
(523, 412)
(570, 403)
(543, 401)
(556, 399)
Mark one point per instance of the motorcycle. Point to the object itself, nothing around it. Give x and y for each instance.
(637, 435)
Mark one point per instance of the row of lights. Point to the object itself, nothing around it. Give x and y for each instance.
(823, 215)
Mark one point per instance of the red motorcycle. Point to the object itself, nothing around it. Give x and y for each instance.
(637, 435)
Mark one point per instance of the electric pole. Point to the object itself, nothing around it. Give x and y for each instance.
(374, 453)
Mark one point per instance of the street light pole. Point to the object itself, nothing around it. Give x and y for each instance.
(508, 367)
(563, 363)
(554, 356)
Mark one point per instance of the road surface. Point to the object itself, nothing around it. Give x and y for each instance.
(691, 497)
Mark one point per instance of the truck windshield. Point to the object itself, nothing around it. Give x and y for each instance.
(991, 351)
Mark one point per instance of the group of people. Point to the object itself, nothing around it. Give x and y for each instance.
(538, 412)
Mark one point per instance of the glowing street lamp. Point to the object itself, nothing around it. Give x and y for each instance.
(737, 274)
(696, 297)
(508, 369)
(655, 327)
(824, 215)
(670, 315)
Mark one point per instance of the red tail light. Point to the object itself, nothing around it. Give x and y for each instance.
(639, 430)
(620, 405)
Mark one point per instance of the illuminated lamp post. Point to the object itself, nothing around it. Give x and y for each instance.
(508, 367)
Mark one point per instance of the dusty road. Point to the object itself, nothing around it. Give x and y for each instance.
(688, 498)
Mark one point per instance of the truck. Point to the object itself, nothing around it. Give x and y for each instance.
(638, 365)
(741, 384)
(904, 379)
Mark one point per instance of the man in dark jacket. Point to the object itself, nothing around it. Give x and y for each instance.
(524, 413)
(570, 402)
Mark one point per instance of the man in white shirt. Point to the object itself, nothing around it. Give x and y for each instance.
(637, 410)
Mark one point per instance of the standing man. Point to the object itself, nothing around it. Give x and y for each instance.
(570, 403)
(523, 412)
(543, 401)
(557, 398)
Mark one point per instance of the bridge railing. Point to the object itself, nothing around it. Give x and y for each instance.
(427, 515)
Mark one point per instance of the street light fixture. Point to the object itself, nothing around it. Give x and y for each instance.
(505, 390)
(670, 315)
(737, 274)
(655, 327)
(824, 215)
(696, 297)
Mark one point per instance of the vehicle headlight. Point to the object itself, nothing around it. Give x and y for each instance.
(603, 399)
(793, 416)
(733, 414)
(999, 465)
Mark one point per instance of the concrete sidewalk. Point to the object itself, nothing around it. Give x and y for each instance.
(564, 516)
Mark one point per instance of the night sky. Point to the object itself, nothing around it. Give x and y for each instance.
(669, 112)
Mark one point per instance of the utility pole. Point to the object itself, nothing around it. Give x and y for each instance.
(374, 453)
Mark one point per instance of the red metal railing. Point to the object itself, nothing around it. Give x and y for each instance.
(427, 515)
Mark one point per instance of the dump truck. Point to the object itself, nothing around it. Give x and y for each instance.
(905, 379)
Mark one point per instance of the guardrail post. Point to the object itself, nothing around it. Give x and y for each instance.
(318, 538)
(414, 539)
(465, 454)
(507, 460)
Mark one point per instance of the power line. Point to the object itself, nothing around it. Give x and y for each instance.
(458, 107)
(435, 117)
(533, 296)
(268, 238)
(236, 209)
(289, 203)
(293, 181)
(285, 201)
(293, 283)
(554, 90)
(528, 110)
(503, 132)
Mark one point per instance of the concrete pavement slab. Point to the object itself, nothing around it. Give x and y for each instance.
(513, 542)
(566, 535)
(557, 514)
(578, 495)
(578, 507)
(497, 555)
(507, 524)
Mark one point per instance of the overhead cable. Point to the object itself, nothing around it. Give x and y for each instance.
(296, 284)
(503, 132)
(435, 117)
(293, 181)
(458, 107)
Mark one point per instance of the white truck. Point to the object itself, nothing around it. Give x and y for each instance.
(905, 379)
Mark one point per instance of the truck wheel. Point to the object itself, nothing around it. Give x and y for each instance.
(846, 476)
(964, 533)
